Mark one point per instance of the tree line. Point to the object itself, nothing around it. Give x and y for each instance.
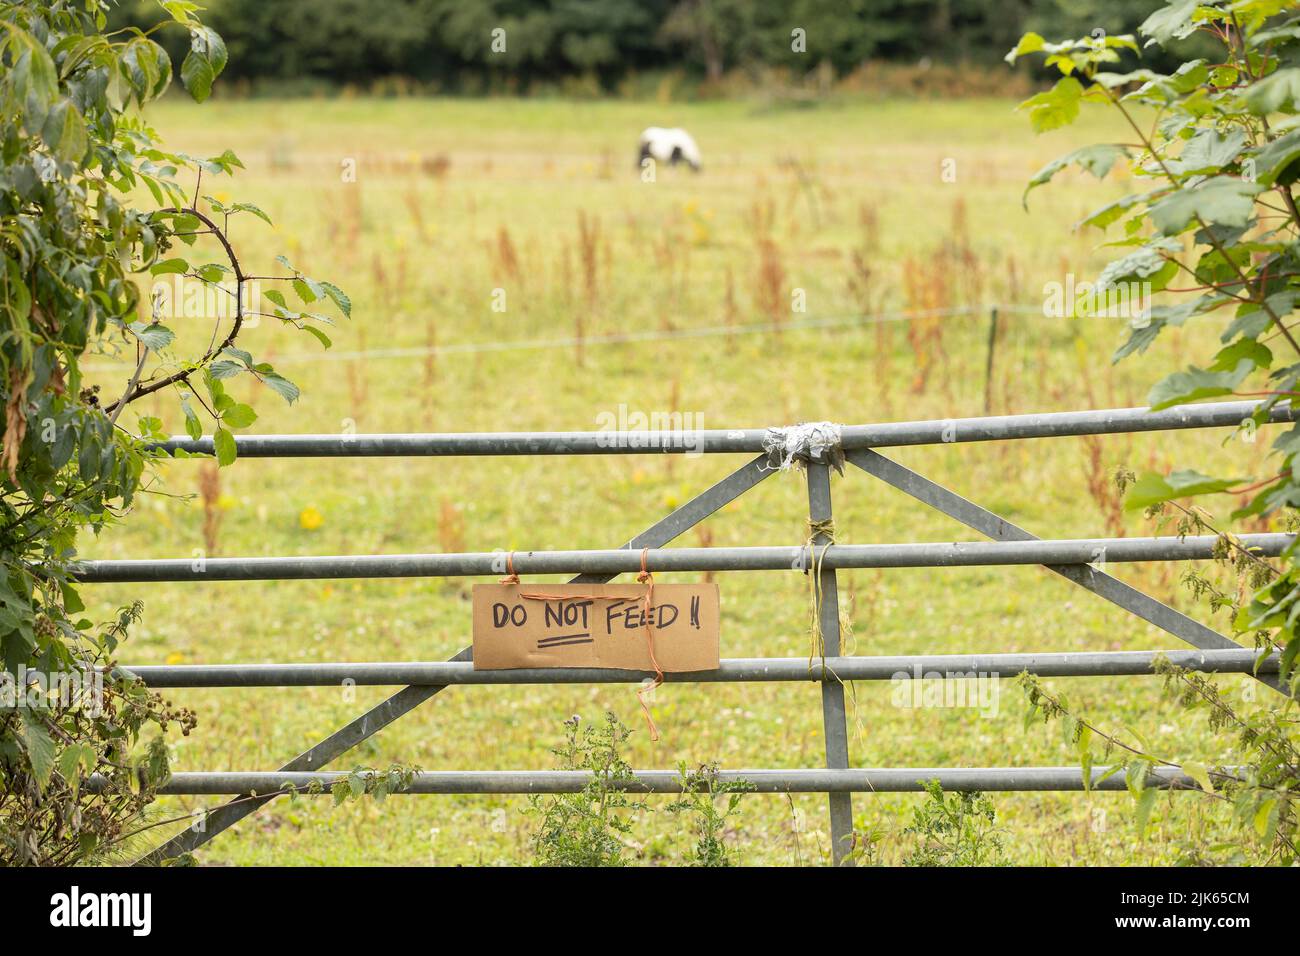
(477, 45)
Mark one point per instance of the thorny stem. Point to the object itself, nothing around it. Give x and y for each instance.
(1285, 473)
(141, 390)
(1117, 742)
(1216, 772)
(1232, 542)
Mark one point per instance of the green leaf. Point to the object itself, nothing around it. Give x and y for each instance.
(320, 336)
(1288, 31)
(89, 458)
(146, 67)
(1276, 92)
(1084, 747)
(223, 442)
(1054, 108)
(1153, 261)
(170, 267)
(1107, 773)
(304, 289)
(1112, 80)
(226, 161)
(1228, 359)
(1112, 212)
(1197, 383)
(1164, 316)
(1209, 151)
(1029, 43)
(197, 75)
(1152, 489)
(238, 416)
(1276, 162)
(72, 603)
(256, 211)
(1289, 655)
(281, 386)
(65, 132)
(339, 296)
(1223, 265)
(40, 749)
(1097, 159)
(1172, 22)
(76, 758)
(1146, 800)
(224, 369)
(181, 10)
(1222, 200)
(1135, 776)
(1264, 820)
(204, 62)
(1252, 321)
(31, 77)
(154, 336)
(193, 427)
(1199, 773)
(357, 783)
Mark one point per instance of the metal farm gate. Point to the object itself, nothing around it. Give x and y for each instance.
(817, 448)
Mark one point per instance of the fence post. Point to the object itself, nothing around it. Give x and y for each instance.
(988, 361)
(834, 719)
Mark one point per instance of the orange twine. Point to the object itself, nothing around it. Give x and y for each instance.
(646, 578)
(511, 577)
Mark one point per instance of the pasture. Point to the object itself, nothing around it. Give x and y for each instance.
(847, 201)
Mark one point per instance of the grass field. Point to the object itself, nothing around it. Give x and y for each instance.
(848, 202)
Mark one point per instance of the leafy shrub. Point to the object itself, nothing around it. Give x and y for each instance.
(954, 830)
(1215, 153)
(701, 791)
(594, 826)
(588, 828)
(75, 774)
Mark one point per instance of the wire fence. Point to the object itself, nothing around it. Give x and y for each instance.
(813, 323)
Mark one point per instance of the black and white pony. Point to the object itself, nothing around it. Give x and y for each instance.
(671, 146)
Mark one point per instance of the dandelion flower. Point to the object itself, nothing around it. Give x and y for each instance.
(310, 519)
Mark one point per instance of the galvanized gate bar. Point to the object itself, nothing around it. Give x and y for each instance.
(1099, 582)
(613, 562)
(834, 718)
(1058, 424)
(841, 782)
(404, 701)
(727, 441)
(1013, 546)
(732, 670)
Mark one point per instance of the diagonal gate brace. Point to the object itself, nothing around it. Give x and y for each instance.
(1085, 575)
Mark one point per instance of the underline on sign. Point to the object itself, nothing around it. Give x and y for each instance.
(565, 639)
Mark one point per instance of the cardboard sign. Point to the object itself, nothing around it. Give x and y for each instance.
(595, 625)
